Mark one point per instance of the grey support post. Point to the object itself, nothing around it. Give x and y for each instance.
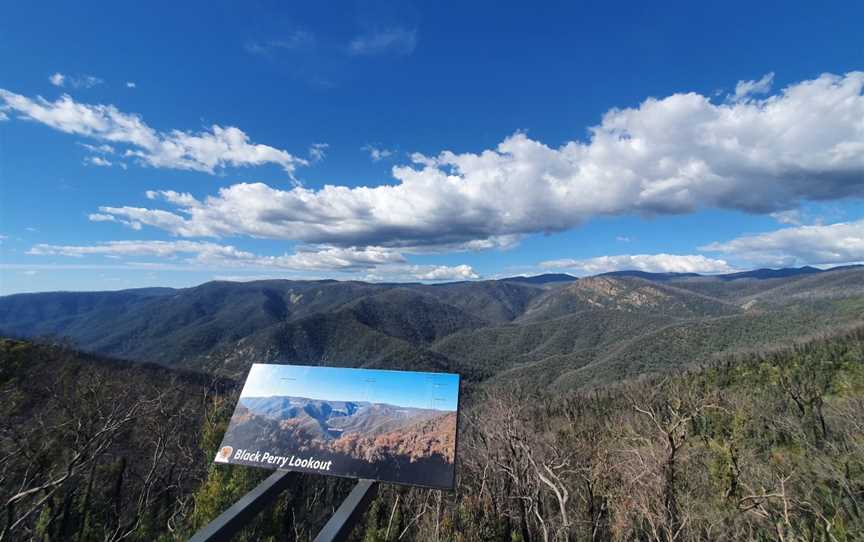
(241, 512)
(349, 513)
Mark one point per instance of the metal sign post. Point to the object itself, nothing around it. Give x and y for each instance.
(250, 505)
(241, 512)
(349, 513)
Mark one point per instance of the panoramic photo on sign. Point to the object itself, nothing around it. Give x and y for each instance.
(393, 426)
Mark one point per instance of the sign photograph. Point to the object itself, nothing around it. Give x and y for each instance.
(392, 426)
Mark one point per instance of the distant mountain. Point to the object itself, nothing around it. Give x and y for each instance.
(542, 279)
(550, 330)
(331, 419)
(772, 273)
(649, 276)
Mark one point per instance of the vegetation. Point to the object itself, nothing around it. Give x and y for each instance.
(762, 446)
(91, 449)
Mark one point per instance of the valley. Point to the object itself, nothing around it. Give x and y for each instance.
(553, 331)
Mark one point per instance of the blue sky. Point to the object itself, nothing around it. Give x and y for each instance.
(439, 391)
(156, 144)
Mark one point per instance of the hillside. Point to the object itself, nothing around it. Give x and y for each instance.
(553, 330)
(103, 445)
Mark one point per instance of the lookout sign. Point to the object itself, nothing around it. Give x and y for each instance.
(391, 426)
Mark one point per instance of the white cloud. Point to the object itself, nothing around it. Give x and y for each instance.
(623, 239)
(748, 88)
(443, 272)
(318, 151)
(100, 217)
(383, 262)
(299, 40)
(97, 161)
(130, 84)
(791, 217)
(81, 81)
(204, 151)
(98, 149)
(396, 41)
(305, 258)
(652, 263)
(838, 243)
(334, 258)
(667, 156)
(142, 248)
(377, 154)
(97, 217)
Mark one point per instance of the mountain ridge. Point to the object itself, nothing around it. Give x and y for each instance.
(478, 328)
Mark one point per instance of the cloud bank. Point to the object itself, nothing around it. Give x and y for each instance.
(827, 244)
(667, 156)
(383, 263)
(652, 263)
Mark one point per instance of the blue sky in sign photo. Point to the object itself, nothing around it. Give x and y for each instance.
(401, 388)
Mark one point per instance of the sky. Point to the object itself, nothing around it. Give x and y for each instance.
(439, 391)
(157, 144)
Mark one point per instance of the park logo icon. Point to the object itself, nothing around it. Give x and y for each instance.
(224, 454)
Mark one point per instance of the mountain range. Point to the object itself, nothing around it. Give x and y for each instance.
(551, 330)
(328, 420)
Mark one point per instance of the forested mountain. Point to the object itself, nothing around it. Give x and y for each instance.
(553, 330)
(622, 406)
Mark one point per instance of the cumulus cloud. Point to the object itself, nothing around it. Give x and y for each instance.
(131, 84)
(334, 258)
(377, 154)
(666, 156)
(397, 41)
(204, 151)
(653, 263)
(838, 243)
(443, 272)
(80, 81)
